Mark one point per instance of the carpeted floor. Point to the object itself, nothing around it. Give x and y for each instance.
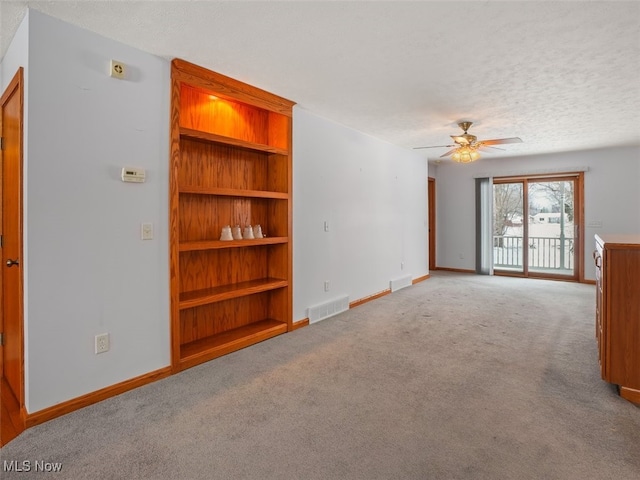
(457, 377)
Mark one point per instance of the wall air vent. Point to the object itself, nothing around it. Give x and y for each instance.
(400, 282)
(328, 309)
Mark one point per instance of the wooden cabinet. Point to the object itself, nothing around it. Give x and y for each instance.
(617, 259)
(230, 165)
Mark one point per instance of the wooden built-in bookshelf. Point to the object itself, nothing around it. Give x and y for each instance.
(230, 165)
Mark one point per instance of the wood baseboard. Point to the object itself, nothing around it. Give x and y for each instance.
(357, 303)
(41, 416)
(630, 394)
(299, 324)
(590, 282)
(457, 270)
(360, 301)
(420, 279)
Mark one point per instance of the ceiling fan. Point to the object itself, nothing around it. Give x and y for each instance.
(466, 146)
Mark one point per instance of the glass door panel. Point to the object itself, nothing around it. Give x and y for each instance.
(508, 227)
(551, 229)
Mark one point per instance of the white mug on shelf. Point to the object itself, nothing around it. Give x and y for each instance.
(226, 233)
(236, 233)
(248, 233)
(257, 231)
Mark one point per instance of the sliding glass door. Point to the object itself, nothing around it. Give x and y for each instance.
(535, 226)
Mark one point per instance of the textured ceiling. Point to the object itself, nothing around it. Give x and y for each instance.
(561, 75)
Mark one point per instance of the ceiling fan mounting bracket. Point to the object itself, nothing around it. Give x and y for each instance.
(465, 126)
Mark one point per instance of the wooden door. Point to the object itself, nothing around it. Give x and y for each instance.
(432, 223)
(11, 348)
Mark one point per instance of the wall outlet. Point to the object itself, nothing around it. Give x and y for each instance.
(326, 286)
(102, 343)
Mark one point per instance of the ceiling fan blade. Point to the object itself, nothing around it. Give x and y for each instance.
(449, 152)
(436, 146)
(486, 147)
(501, 141)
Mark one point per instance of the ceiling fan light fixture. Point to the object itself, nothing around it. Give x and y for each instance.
(465, 154)
(466, 146)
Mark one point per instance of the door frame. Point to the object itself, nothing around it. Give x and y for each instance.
(431, 191)
(578, 220)
(9, 411)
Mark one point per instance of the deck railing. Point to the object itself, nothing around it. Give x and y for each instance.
(544, 252)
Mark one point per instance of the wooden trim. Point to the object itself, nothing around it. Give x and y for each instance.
(431, 210)
(525, 227)
(535, 276)
(300, 324)
(558, 278)
(588, 281)
(12, 423)
(69, 406)
(538, 176)
(458, 270)
(19, 78)
(420, 279)
(578, 220)
(630, 394)
(357, 303)
(237, 91)
(620, 241)
(289, 305)
(174, 237)
(507, 273)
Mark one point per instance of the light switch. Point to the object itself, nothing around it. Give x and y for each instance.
(147, 231)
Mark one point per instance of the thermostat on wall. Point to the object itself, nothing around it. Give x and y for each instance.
(135, 175)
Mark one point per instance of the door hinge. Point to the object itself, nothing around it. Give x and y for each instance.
(1, 143)
(1, 339)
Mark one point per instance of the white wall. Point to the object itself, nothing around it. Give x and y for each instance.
(16, 56)
(86, 269)
(373, 196)
(611, 185)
